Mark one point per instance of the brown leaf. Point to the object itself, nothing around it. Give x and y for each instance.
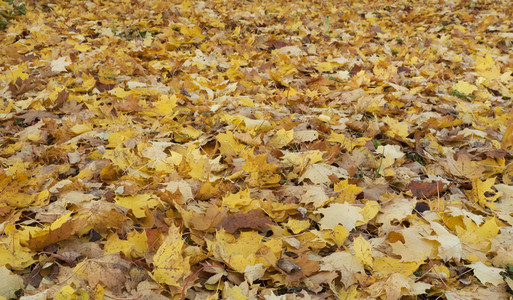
(374, 192)
(427, 189)
(276, 44)
(34, 279)
(496, 154)
(461, 165)
(308, 267)
(204, 222)
(21, 86)
(62, 97)
(104, 84)
(128, 104)
(253, 219)
(72, 107)
(5, 210)
(66, 230)
(110, 271)
(31, 116)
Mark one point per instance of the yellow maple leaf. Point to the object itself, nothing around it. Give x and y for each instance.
(369, 212)
(479, 190)
(82, 47)
(228, 146)
(396, 128)
(388, 265)
(170, 266)
(412, 246)
(344, 263)
(80, 128)
(281, 138)
(350, 293)
(297, 226)
(192, 31)
(450, 245)
(199, 164)
(507, 138)
(338, 235)
(486, 67)
(302, 159)
(117, 138)
(135, 245)
(122, 157)
(348, 143)
(138, 203)
(11, 195)
(241, 252)
(246, 101)
(190, 132)
(347, 191)
(362, 250)
(68, 292)
(235, 201)
(10, 284)
(119, 92)
(165, 105)
(85, 83)
(464, 87)
(235, 292)
(260, 171)
(12, 253)
(487, 274)
(277, 76)
(17, 73)
(478, 235)
(326, 66)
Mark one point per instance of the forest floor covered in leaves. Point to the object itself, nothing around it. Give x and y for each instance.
(256, 149)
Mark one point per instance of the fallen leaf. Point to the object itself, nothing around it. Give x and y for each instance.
(10, 284)
(340, 213)
(61, 229)
(60, 64)
(344, 263)
(487, 274)
(170, 266)
(253, 219)
(427, 189)
(109, 271)
(319, 173)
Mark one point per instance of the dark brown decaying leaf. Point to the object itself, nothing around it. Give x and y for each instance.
(423, 189)
(253, 219)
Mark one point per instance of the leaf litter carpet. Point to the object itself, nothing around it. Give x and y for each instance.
(256, 150)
